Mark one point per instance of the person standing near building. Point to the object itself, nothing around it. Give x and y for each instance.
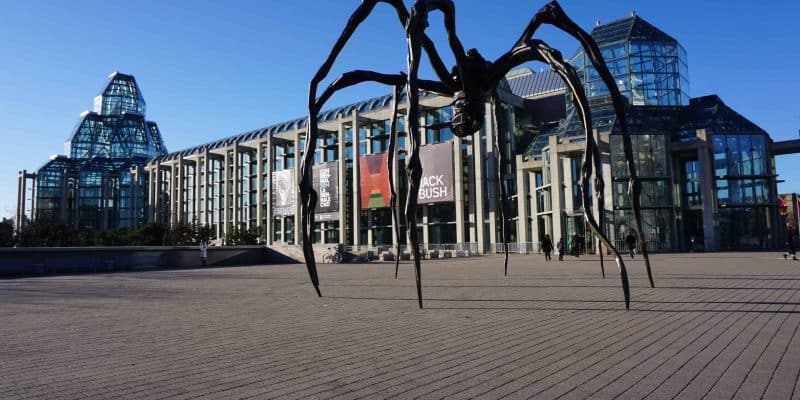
(561, 249)
(790, 243)
(547, 247)
(203, 251)
(631, 241)
(576, 245)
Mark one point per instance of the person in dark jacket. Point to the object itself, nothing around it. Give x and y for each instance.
(547, 247)
(790, 244)
(561, 249)
(631, 242)
(576, 245)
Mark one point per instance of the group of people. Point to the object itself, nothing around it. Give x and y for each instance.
(576, 246)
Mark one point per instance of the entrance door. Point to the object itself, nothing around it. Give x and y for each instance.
(693, 228)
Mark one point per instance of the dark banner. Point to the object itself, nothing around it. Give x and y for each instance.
(437, 173)
(326, 183)
(284, 190)
(374, 181)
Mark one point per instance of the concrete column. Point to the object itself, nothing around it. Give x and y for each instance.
(182, 207)
(478, 158)
(471, 189)
(458, 186)
(426, 235)
(133, 197)
(533, 210)
(259, 184)
(356, 183)
(556, 189)
(522, 202)
(157, 196)
(206, 192)
(224, 198)
(270, 166)
(236, 195)
(34, 190)
(197, 190)
(492, 185)
(298, 155)
(566, 168)
(342, 179)
(21, 188)
(370, 234)
(151, 201)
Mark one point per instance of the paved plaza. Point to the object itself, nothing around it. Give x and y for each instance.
(716, 326)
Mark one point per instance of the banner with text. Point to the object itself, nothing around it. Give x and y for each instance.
(326, 183)
(374, 181)
(284, 190)
(437, 173)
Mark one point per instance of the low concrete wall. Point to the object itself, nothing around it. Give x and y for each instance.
(41, 260)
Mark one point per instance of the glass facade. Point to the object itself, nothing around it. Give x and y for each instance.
(672, 137)
(93, 188)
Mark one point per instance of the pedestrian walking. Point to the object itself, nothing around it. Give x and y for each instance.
(790, 244)
(203, 251)
(561, 249)
(547, 247)
(631, 241)
(576, 246)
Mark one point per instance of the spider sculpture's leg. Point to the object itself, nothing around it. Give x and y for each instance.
(535, 50)
(413, 163)
(307, 192)
(308, 197)
(553, 14)
(392, 152)
(499, 151)
(599, 189)
(591, 152)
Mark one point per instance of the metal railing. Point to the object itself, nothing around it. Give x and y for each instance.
(463, 249)
(518, 247)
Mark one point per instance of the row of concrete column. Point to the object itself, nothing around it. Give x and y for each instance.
(168, 185)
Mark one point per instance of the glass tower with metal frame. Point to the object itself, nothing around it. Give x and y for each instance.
(95, 186)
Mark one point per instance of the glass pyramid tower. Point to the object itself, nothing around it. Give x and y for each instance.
(93, 186)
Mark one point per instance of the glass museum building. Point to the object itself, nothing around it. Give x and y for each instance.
(99, 183)
(708, 173)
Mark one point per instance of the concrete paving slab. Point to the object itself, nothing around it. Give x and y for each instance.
(724, 325)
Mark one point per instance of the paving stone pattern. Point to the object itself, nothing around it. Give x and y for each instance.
(717, 326)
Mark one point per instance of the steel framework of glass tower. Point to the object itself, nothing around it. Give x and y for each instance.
(97, 186)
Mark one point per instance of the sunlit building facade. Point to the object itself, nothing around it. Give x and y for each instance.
(708, 174)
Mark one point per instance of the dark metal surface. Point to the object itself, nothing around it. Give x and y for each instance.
(473, 82)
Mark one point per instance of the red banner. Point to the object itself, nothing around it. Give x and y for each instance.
(374, 181)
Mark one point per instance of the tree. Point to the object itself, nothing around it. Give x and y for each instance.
(6, 235)
(44, 233)
(236, 236)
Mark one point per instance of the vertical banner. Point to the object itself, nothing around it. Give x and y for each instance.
(326, 183)
(437, 183)
(283, 192)
(374, 181)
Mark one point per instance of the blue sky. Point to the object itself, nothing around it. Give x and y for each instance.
(211, 69)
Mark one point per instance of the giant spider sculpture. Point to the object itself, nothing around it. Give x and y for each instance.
(472, 83)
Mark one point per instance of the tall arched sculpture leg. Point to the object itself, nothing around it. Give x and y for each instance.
(536, 50)
(500, 152)
(391, 164)
(553, 14)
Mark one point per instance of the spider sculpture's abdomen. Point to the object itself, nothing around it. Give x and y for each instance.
(468, 110)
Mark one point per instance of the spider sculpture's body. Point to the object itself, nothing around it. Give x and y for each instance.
(471, 83)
